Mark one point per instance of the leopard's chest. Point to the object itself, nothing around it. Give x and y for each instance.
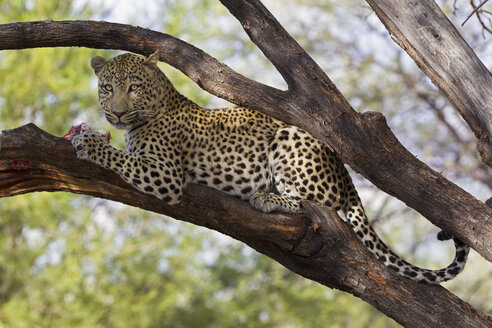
(160, 140)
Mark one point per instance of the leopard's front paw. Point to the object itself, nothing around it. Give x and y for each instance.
(87, 145)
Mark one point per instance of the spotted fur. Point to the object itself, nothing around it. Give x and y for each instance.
(171, 141)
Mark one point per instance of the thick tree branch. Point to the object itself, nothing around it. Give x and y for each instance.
(301, 73)
(364, 141)
(326, 250)
(426, 34)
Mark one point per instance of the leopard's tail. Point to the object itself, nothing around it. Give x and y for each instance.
(356, 217)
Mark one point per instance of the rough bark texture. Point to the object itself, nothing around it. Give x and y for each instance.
(325, 249)
(426, 34)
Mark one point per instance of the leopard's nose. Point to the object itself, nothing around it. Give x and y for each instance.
(118, 113)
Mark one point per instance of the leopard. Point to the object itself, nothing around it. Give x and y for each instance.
(171, 141)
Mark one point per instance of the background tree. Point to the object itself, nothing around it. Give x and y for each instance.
(101, 272)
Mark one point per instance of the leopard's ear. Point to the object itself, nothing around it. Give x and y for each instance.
(97, 64)
(152, 59)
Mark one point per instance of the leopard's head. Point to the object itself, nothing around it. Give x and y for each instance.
(128, 88)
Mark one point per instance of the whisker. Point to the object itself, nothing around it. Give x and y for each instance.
(147, 113)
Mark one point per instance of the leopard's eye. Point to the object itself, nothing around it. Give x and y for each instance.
(133, 87)
(108, 87)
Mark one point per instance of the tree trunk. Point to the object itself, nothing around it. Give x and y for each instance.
(324, 250)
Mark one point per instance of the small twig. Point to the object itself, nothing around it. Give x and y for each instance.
(474, 10)
(484, 27)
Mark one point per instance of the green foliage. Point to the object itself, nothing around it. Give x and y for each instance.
(26, 93)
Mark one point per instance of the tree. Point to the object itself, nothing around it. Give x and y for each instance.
(263, 232)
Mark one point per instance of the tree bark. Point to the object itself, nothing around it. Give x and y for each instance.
(325, 249)
(427, 35)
